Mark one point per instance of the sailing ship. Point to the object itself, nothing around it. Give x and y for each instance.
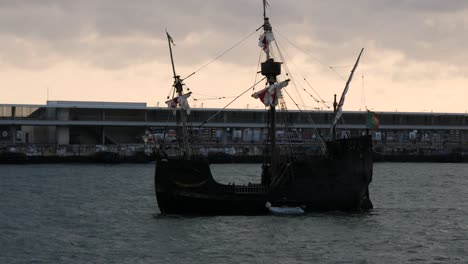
(338, 180)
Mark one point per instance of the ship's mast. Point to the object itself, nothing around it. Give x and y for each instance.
(178, 85)
(270, 69)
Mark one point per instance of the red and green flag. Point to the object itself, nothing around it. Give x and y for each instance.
(373, 121)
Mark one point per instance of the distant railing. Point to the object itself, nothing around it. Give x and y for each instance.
(77, 150)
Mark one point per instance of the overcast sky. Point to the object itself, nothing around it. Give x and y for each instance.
(415, 55)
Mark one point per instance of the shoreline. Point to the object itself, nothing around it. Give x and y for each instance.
(114, 158)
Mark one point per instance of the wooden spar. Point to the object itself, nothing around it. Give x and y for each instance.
(169, 42)
(179, 89)
(264, 9)
(343, 95)
(271, 79)
(265, 4)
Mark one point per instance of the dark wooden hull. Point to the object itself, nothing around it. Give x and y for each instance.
(339, 181)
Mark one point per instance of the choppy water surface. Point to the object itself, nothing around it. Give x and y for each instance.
(108, 214)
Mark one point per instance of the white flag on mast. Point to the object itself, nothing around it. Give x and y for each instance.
(181, 101)
(269, 96)
(265, 39)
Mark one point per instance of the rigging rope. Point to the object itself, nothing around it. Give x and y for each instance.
(258, 66)
(309, 117)
(319, 61)
(220, 55)
(215, 98)
(237, 97)
(321, 101)
(208, 97)
(172, 90)
(363, 95)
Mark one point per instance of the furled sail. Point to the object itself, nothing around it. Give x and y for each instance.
(269, 96)
(264, 41)
(339, 110)
(179, 101)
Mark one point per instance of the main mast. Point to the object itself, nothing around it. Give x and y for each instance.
(270, 69)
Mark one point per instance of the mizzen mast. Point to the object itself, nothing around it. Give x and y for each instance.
(338, 109)
(181, 100)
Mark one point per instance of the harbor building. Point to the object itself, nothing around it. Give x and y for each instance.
(74, 123)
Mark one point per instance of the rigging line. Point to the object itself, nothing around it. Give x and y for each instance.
(172, 90)
(363, 94)
(290, 134)
(286, 135)
(299, 86)
(316, 93)
(208, 99)
(220, 55)
(300, 98)
(319, 61)
(321, 99)
(210, 96)
(163, 145)
(309, 117)
(237, 97)
(287, 69)
(286, 66)
(258, 66)
(296, 86)
(305, 106)
(342, 66)
(313, 97)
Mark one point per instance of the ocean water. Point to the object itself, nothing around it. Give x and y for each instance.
(109, 214)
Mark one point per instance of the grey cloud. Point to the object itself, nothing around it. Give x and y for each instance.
(58, 28)
(427, 30)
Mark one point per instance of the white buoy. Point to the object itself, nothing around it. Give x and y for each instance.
(284, 210)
